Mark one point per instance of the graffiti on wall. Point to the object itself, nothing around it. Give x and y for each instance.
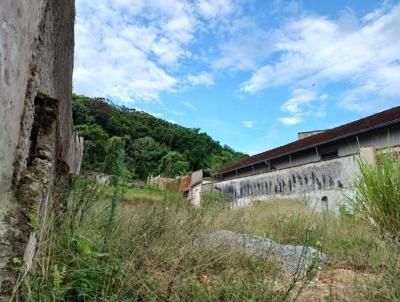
(326, 175)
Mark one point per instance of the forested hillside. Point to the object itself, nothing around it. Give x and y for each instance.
(152, 145)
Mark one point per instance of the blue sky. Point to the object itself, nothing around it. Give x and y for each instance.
(249, 73)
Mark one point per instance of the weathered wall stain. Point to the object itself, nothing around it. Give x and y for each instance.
(37, 143)
(321, 177)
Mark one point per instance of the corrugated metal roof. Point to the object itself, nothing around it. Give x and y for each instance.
(380, 119)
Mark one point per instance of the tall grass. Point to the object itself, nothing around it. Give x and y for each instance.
(152, 251)
(377, 195)
(149, 194)
(345, 239)
(214, 199)
(82, 197)
(151, 254)
(377, 201)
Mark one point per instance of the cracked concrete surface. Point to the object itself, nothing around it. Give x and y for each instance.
(36, 61)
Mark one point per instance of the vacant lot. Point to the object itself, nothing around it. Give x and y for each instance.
(148, 252)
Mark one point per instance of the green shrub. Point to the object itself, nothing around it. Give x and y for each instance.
(376, 200)
(150, 255)
(214, 199)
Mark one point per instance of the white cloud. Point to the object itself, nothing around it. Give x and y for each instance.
(137, 49)
(364, 54)
(290, 120)
(246, 47)
(213, 8)
(248, 124)
(130, 49)
(300, 105)
(133, 49)
(324, 97)
(203, 78)
(299, 98)
(119, 57)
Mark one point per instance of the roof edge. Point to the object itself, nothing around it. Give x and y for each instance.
(329, 131)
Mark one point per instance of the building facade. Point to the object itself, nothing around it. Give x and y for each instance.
(318, 168)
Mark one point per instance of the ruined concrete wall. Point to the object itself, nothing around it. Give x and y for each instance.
(56, 42)
(195, 194)
(74, 154)
(19, 21)
(37, 144)
(321, 184)
(36, 54)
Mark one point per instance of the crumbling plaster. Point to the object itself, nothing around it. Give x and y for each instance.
(36, 60)
(18, 21)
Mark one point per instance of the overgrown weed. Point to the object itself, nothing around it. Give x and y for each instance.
(377, 196)
(377, 202)
(344, 238)
(150, 254)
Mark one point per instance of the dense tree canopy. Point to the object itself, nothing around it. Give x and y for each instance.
(174, 163)
(152, 145)
(146, 154)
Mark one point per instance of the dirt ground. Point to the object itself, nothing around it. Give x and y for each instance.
(335, 284)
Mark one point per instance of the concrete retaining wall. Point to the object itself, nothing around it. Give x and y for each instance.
(322, 184)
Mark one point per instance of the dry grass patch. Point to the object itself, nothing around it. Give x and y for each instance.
(150, 253)
(345, 239)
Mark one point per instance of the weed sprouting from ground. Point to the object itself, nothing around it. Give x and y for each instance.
(377, 202)
(83, 195)
(150, 255)
(114, 166)
(152, 251)
(214, 199)
(344, 238)
(377, 196)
